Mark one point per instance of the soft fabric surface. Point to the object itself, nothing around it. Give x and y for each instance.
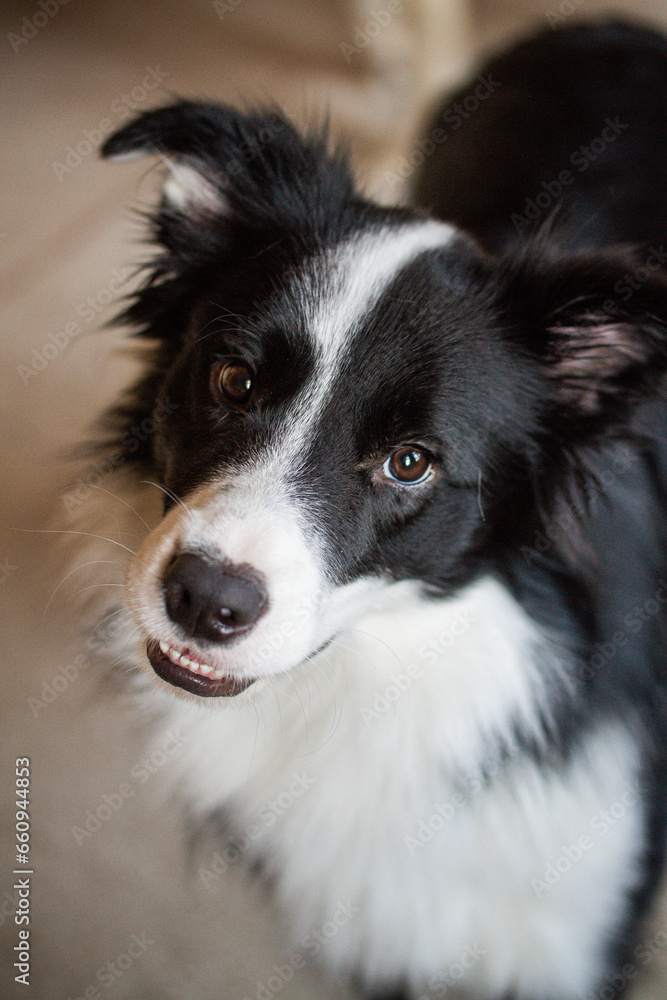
(67, 240)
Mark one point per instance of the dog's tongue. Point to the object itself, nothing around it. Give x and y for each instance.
(191, 675)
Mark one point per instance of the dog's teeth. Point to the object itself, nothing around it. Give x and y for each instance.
(194, 665)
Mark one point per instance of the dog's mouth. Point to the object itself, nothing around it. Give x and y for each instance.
(193, 674)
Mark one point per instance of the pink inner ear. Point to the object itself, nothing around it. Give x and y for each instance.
(189, 190)
(586, 357)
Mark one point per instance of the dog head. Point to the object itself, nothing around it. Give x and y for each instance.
(359, 395)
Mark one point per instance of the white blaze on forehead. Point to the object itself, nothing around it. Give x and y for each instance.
(354, 276)
(340, 287)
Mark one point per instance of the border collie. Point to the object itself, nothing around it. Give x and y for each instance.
(411, 535)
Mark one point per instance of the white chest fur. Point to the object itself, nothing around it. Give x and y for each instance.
(369, 783)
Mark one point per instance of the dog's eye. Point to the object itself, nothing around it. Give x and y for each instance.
(408, 465)
(233, 381)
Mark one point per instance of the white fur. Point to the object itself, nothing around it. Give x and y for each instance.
(373, 776)
(188, 190)
(357, 273)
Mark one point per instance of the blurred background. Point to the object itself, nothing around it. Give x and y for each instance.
(71, 72)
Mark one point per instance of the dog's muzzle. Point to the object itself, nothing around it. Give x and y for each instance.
(210, 602)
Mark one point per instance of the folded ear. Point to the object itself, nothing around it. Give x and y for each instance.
(185, 138)
(226, 167)
(598, 325)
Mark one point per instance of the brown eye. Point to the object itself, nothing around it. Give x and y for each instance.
(234, 382)
(408, 465)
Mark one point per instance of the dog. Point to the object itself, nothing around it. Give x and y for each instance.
(403, 586)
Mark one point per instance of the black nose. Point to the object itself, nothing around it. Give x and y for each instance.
(212, 601)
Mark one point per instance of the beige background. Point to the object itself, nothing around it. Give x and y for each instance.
(64, 236)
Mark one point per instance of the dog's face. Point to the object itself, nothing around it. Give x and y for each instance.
(357, 396)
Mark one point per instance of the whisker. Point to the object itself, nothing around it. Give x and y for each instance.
(302, 706)
(232, 320)
(120, 499)
(169, 493)
(479, 494)
(91, 562)
(93, 586)
(363, 659)
(123, 658)
(70, 531)
(336, 719)
(337, 714)
(112, 614)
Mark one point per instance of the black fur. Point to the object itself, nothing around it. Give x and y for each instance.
(553, 94)
(517, 359)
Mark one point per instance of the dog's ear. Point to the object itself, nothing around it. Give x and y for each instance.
(598, 325)
(226, 168)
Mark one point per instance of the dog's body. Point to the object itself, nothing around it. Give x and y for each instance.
(414, 540)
